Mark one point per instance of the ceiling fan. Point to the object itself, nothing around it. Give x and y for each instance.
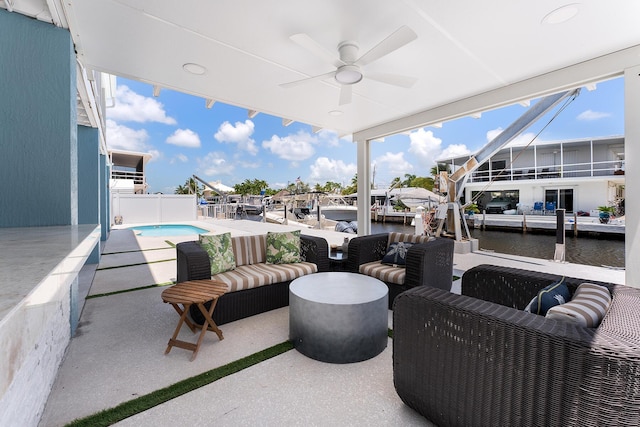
(349, 66)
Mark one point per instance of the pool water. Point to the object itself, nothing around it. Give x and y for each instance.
(167, 230)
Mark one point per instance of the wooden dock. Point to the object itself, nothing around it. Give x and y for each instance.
(573, 224)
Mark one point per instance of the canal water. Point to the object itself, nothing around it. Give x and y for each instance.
(595, 250)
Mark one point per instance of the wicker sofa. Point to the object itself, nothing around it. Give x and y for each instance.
(250, 298)
(428, 263)
(478, 359)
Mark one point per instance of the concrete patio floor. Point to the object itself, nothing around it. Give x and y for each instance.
(117, 353)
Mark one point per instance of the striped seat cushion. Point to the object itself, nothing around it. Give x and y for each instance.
(405, 237)
(244, 277)
(250, 249)
(287, 272)
(384, 272)
(587, 307)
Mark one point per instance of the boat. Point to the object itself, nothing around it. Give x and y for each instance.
(337, 208)
(412, 197)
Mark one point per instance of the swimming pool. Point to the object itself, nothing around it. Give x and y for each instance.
(167, 230)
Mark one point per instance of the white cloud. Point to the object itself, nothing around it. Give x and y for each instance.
(592, 115)
(184, 138)
(394, 164)
(292, 147)
(124, 138)
(325, 169)
(425, 147)
(493, 133)
(132, 107)
(239, 134)
(454, 150)
(155, 155)
(214, 164)
(179, 158)
(248, 165)
(329, 138)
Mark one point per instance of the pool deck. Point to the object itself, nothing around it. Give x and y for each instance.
(117, 353)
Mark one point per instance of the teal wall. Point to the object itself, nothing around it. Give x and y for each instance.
(105, 196)
(38, 125)
(88, 175)
(89, 181)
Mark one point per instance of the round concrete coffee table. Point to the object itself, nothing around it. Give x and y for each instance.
(338, 317)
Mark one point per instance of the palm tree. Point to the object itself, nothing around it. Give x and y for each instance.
(440, 167)
(190, 187)
(407, 179)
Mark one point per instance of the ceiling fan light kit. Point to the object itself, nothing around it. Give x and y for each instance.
(348, 74)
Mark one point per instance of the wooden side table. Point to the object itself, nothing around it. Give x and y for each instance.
(193, 292)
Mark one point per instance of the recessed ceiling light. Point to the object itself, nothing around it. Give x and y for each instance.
(194, 68)
(562, 14)
(335, 113)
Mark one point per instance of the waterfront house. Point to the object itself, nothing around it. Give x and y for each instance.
(577, 175)
(128, 171)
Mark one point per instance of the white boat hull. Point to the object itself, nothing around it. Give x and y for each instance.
(340, 213)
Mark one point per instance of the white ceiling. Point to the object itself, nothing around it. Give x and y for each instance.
(464, 48)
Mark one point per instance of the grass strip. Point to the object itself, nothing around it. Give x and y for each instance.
(148, 401)
(139, 250)
(134, 265)
(170, 243)
(106, 294)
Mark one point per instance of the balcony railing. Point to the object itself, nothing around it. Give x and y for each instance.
(137, 177)
(573, 170)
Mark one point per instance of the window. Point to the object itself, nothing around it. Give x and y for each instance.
(562, 198)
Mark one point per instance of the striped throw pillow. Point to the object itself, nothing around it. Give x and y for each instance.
(587, 307)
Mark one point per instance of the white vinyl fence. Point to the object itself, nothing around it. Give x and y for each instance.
(152, 208)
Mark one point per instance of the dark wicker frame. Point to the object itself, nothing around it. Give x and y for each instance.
(478, 360)
(428, 264)
(193, 264)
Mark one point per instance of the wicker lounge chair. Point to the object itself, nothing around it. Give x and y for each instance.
(478, 359)
(427, 264)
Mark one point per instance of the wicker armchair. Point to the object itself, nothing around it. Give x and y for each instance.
(477, 359)
(427, 264)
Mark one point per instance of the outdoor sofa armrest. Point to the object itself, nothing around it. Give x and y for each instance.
(512, 287)
(430, 264)
(193, 262)
(461, 361)
(316, 250)
(364, 249)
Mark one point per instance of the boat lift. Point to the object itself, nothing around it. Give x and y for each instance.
(451, 212)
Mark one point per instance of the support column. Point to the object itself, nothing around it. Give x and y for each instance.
(364, 187)
(632, 175)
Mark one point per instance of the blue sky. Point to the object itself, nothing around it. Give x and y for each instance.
(223, 144)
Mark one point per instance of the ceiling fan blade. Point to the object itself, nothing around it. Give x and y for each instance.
(315, 48)
(345, 94)
(308, 80)
(393, 79)
(396, 40)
